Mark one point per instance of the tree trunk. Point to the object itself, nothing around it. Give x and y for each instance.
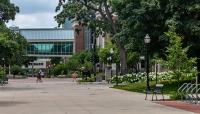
(122, 59)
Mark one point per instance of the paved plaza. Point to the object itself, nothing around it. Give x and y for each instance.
(62, 96)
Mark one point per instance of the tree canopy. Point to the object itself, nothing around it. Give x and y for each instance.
(12, 45)
(97, 14)
(7, 10)
(135, 19)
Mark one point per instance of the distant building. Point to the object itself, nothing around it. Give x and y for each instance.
(45, 43)
(49, 42)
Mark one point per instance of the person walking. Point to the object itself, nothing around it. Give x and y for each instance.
(39, 76)
(74, 76)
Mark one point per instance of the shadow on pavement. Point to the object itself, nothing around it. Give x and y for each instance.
(10, 103)
(17, 88)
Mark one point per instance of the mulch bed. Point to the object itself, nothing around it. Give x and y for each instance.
(181, 105)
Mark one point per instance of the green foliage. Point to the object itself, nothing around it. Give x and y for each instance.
(177, 59)
(79, 60)
(12, 46)
(132, 59)
(95, 14)
(175, 96)
(56, 60)
(17, 70)
(104, 53)
(60, 69)
(1, 71)
(7, 10)
(87, 79)
(170, 87)
(162, 76)
(74, 63)
(83, 12)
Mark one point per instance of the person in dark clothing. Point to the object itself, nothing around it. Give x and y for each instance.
(39, 76)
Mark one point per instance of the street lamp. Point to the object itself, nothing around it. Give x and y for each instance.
(3, 67)
(147, 41)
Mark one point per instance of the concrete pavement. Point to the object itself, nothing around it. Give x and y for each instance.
(61, 96)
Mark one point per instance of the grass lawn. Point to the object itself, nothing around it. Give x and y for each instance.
(170, 87)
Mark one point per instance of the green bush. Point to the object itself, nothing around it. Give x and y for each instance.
(60, 69)
(88, 79)
(1, 71)
(17, 70)
(162, 76)
(175, 96)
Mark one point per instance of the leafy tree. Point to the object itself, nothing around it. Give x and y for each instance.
(141, 17)
(84, 12)
(132, 60)
(60, 69)
(16, 70)
(186, 19)
(56, 60)
(79, 60)
(7, 11)
(177, 59)
(13, 46)
(104, 53)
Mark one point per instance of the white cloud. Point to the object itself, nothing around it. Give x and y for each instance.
(36, 20)
(36, 6)
(35, 14)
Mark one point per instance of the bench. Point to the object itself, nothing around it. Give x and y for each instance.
(158, 90)
(4, 81)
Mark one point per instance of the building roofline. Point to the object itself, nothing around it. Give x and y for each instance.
(44, 29)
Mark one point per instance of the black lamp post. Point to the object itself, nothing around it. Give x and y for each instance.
(147, 41)
(3, 67)
(156, 73)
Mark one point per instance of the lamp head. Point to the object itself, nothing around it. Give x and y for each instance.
(147, 39)
(111, 50)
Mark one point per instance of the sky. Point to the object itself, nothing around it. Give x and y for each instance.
(35, 14)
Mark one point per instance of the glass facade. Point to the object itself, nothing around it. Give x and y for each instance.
(49, 34)
(50, 48)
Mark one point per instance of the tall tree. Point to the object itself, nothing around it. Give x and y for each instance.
(96, 14)
(141, 17)
(12, 45)
(177, 59)
(7, 10)
(186, 18)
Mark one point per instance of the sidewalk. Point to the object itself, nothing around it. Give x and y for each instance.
(181, 105)
(57, 96)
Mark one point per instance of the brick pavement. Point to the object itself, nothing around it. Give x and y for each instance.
(182, 105)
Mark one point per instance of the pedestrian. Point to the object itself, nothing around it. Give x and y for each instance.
(74, 76)
(39, 76)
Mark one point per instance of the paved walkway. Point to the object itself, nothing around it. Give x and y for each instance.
(182, 105)
(57, 96)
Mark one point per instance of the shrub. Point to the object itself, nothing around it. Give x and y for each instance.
(175, 96)
(129, 78)
(17, 70)
(88, 79)
(132, 78)
(60, 69)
